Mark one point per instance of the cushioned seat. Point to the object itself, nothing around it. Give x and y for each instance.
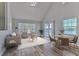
(24, 35)
(12, 41)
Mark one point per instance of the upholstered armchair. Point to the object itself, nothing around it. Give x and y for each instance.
(24, 35)
(12, 41)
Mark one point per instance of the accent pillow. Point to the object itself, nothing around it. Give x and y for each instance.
(12, 41)
(13, 34)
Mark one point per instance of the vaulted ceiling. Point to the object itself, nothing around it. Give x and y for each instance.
(23, 10)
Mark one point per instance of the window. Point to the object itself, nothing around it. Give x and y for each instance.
(48, 29)
(70, 26)
(25, 27)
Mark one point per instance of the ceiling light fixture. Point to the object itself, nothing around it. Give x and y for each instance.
(33, 4)
(63, 3)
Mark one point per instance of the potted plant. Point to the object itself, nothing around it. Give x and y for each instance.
(41, 32)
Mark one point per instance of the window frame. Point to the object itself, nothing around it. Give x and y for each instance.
(26, 28)
(48, 31)
(75, 27)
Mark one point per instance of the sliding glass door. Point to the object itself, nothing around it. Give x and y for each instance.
(25, 27)
(48, 29)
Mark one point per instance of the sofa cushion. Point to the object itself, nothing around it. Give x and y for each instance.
(12, 41)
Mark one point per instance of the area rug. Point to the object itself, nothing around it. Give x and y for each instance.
(70, 50)
(27, 43)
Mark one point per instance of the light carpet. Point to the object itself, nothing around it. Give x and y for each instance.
(27, 43)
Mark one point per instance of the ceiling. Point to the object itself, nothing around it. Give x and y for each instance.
(23, 10)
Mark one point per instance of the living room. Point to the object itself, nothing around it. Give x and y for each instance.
(34, 23)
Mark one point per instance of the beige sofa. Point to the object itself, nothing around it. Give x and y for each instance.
(11, 41)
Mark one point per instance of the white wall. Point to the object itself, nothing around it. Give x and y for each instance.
(9, 16)
(5, 32)
(2, 39)
(59, 12)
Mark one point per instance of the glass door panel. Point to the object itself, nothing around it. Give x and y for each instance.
(48, 29)
(25, 27)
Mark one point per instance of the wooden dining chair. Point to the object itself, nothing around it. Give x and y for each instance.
(52, 39)
(74, 41)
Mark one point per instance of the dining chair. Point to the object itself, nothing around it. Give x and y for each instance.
(52, 39)
(74, 41)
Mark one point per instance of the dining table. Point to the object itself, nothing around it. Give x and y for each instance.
(64, 36)
(62, 40)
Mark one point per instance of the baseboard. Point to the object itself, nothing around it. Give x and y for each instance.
(1, 53)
